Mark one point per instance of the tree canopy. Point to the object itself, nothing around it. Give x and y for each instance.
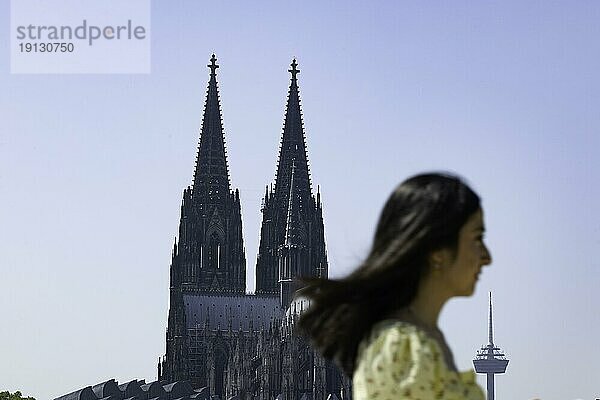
(14, 396)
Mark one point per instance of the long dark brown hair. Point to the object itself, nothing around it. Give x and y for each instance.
(423, 214)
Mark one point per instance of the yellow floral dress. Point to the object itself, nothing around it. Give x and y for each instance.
(401, 361)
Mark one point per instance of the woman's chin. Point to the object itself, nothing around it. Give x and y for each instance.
(468, 291)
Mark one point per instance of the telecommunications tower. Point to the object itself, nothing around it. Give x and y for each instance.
(490, 360)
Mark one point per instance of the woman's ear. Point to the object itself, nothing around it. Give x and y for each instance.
(439, 259)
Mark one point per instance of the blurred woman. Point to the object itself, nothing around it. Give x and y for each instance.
(380, 324)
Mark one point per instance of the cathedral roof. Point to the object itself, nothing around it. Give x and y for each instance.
(241, 311)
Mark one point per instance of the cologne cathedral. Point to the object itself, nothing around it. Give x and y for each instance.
(219, 338)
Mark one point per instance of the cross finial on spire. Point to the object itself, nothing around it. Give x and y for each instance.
(294, 71)
(213, 65)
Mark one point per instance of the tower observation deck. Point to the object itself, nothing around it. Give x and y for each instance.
(489, 359)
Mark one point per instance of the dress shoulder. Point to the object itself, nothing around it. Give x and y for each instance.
(400, 361)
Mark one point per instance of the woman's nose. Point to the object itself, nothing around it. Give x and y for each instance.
(486, 257)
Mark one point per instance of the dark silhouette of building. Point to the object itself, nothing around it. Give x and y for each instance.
(292, 240)
(137, 390)
(234, 344)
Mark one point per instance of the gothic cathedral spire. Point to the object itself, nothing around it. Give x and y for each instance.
(211, 175)
(209, 256)
(293, 147)
(292, 240)
(210, 230)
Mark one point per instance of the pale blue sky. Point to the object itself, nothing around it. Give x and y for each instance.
(507, 94)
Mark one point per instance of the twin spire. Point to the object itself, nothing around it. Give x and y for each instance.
(211, 175)
(292, 239)
(293, 149)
